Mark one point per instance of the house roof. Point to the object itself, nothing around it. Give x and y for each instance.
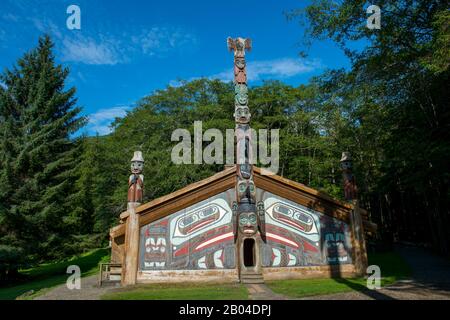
(226, 179)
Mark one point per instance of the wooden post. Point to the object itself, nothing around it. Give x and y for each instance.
(356, 223)
(359, 243)
(130, 265)
(135, 194)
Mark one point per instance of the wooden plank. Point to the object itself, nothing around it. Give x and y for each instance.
(186, 200)
(149, 206)
(306, 199)
(117, 231)
(303, 188)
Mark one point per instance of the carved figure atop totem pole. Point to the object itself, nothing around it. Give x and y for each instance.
(136, 180)
(350, 188)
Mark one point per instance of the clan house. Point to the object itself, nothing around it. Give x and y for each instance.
(239, 224)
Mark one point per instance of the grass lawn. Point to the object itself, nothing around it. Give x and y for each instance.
(49, 275)
(181, 291)
(392, 266)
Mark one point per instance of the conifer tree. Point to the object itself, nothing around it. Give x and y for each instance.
(38, 117)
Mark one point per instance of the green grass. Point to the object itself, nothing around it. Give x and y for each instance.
(392, 266)
(45, 276)
(181, 291)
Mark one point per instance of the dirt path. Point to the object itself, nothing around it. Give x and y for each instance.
(89, 291)
(262, 292)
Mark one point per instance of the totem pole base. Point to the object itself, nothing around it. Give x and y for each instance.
(130, 264)
(359, 243)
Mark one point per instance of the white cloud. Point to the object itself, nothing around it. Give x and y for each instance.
(10, 17)
(160, 39)
(100, 121)
(278, 69)
(3, 85)
(47, 26)
(89, 51)
(107, 49)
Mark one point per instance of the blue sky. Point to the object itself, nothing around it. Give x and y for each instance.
(127, 49)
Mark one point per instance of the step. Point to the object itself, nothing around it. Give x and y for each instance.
(252, 281)
(115, 271)
(251, 276)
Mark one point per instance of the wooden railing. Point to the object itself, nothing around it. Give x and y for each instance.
(110, 272)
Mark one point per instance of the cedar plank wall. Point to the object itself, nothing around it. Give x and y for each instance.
(222, 181)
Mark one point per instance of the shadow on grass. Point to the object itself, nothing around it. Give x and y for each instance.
(392, 266)
(53, 274)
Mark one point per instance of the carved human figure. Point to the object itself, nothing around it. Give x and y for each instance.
(234, 210)
(350, 188)
(246, 190)
(240, 73)
(241, 94)
(242, 114)
(244, 151)
(261, 219)
(136, 179)
(247, 218)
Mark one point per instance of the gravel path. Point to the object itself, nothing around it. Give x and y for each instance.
(89, 291)
(262, 292)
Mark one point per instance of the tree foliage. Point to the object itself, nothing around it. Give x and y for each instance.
(38, 202)
(395, 104)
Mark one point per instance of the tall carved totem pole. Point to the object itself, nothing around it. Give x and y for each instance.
(351, 195)
(248, 215)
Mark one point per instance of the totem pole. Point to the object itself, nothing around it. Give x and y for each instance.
(350, 189)
(351, 194)
(136, 180)
(135, 195)
(246, 212)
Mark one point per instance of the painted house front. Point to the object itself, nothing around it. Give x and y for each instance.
(194, 234)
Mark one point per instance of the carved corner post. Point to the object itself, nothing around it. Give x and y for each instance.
(135, 195)
(246, 214)
(356, 223)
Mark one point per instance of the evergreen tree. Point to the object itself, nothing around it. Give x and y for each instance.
(38, 165)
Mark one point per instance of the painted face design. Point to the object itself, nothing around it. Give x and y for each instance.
(137, 167)
(240, 89)
(242, 114)
(248, 223)
(241, 94)
(245, 170)
(241, 99)
(240, 63)
(246, 189)
(346, 165)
